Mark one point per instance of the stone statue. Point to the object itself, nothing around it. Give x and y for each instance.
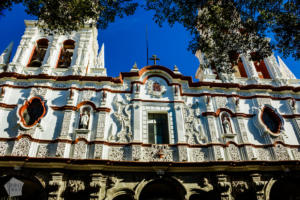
(84, 120)
(226, 125)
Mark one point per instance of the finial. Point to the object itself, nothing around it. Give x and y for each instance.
(100, 58)
(175, 70)
(134, 68)
(5, 56)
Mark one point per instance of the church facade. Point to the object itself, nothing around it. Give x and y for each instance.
(69, 131)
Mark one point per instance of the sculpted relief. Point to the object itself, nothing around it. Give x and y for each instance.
(123, 116)
(193, 128)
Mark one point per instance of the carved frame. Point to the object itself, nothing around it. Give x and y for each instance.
(25, 105)
(260, 123)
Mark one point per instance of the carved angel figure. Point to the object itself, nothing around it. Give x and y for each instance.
(194, 132)
(123, 116)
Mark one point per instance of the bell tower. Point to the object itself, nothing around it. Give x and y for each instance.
(75, 53)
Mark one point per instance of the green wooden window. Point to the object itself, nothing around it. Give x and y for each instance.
(158, 128)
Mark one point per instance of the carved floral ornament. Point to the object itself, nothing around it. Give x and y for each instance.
(31, 112)
(269, 120)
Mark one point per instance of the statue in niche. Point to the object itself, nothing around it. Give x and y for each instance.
(226, 124)
(84, 119)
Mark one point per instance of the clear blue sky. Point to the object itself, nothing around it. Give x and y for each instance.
(125, 42)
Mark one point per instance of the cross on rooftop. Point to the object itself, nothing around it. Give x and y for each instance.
(154, 58)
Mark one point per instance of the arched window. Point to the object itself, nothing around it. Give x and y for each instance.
(66, 54)
(32, 111)
(260, 67)
(238, 65)
(271, 120)
(38, 53)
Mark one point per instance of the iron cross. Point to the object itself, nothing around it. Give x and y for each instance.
(154, 58)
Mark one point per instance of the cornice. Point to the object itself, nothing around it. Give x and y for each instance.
(207, 145)
(123, 75)
(133, 166)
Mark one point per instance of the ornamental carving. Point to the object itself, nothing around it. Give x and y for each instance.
(264, 154)
(221, 102)
(281, 152)
(123, 116)
(296, 153)
(205, 185)
(182, 153)
(157, 153)
(155, 88)
(80, 149)
(60, 150)
(66, 124)
(87, 95)
(234, 152)
(31, 112)
(76, 186)
(136, 152)
(21, 147)
(258, 185)
(98, 151)
(100, 125)
(240, 186)
(38, 92)
(119, 153)
(224, 187)
(44, 150)
(3, 148)
(199, 154)
(192, 123)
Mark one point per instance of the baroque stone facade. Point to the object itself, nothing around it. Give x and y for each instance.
(149, 134)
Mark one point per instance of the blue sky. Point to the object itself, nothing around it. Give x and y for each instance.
(125, 42)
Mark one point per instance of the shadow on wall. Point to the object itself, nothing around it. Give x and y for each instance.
(13, 126)
(286, 189)
(61, 100)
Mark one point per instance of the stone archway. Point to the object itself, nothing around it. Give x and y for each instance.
(163, 189)
(287, 188)
(31, 190)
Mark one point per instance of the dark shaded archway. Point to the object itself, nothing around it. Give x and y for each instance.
(287, 189)
(32, 189)
(163, 189)
(124, 197)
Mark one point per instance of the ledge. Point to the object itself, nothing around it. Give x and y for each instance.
(125, 166)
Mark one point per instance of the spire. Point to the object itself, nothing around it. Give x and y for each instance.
(5, 56)
(100, 58)
(285, 70)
